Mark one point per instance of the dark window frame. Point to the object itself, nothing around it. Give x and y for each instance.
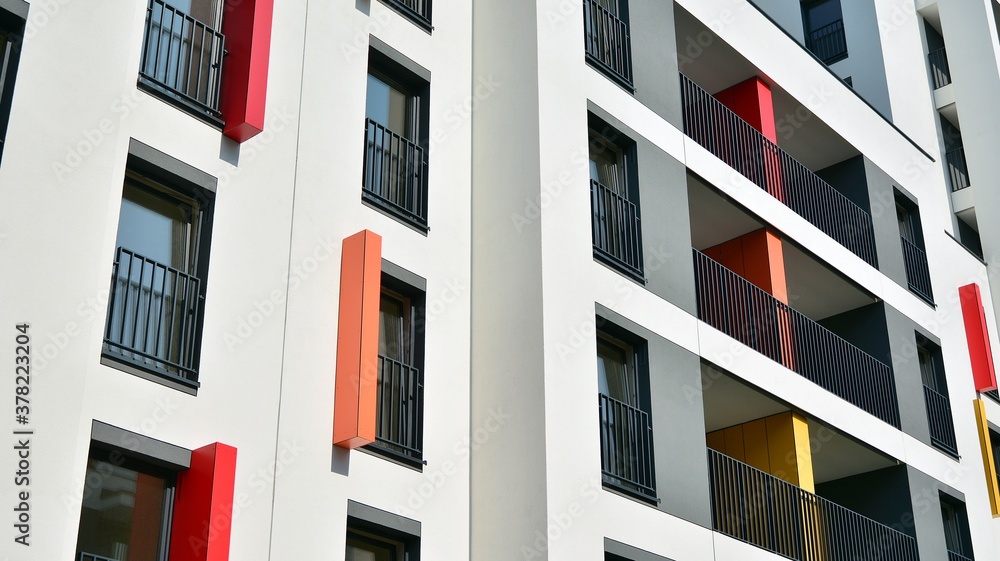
(412, 293)
(13, 16)
(599, 135)
(809, 28)
(384, 527)
(624, 77)
(958, 532)
(166, 177)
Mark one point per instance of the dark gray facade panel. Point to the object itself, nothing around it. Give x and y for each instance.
(654, 58)
(141, 447)
(382, 518)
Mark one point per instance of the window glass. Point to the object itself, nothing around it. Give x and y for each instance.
(952, 528)
(154, 227)
(386, 105)
(927, 371)
(604, 165)
(822, 14)
(205, 11)
(393, 339)
(122, 514)
(615, 377)
(363, 548)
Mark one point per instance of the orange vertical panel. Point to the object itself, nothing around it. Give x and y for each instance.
(357, 341)
(734, 443)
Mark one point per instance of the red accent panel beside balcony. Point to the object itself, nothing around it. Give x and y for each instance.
(356, 393)
(978, 337)
(247, 27)
(751, 100)
(203, 508)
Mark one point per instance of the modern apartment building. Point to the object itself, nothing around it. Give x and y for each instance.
(567, 280)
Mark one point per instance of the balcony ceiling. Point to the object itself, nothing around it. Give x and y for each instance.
(715, 66)
(714, 219)
(729, 402)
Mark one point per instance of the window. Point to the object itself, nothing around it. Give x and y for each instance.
(995, 444)
(399, 401)
(918, 276)
(606, 34)
(11, 28)
(939, 417)
(623, 400)
(126, 506)
(182, 52)
(395, 167)
(160, 263)
(956, 528)
(615, 200)
(376, 535)
(418, 11)
(824, 27)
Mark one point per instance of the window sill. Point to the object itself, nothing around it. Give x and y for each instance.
(609, 485)
(618, 266)
(395, 457)
(160, 377)
(611, 74)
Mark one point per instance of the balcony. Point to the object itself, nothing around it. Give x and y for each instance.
(993, 394)
(395, 174)
(952, 556)
(723, 133)
(828, 43)
(419, 11)
(918, 276)
(940, 73)
(760, 509)
(627, 448)
(941, 424)
(182, 58)
(400, 405)
(616, 226)
(153, 317)
(958, 171)
(743, 311)
(607, 42)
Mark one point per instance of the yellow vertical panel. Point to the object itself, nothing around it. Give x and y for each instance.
(803, 452)
(992, 488)
(781, 447)
(716, 441)
(734, 443)
(755, 444)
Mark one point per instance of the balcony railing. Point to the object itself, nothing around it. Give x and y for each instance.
(994, 395)
(713, 125)
(183, 56)
(94, 557)
(417, 10)
(626, 447)
(153, 316)
(733, 305)
(918, 275)
(941, 424)
(952, 556)
(958, 171)
(616, 228)
(940, 72)
(828, 43)
(395, 174)
(607, 41)
(760, 509)
(400, 408)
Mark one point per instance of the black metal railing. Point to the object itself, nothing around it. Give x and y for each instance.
(400, 408)
(953, 556)
(10, 50)
(183, 56)
(395, 173)
(993, 394)
(626, 447)
(940, 72)
(918, 275)
(616, 228)
(153, 316)
(721, 131)
(417, 10)
(941, 424)
(760, 509)
(733, 305)
(828, 43)
(958, 170)
(607, 41)
(94, 557)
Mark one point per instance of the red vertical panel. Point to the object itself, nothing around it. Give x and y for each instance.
(203, 507)
(247, 27)
(752, 101)
(357, 341)
(978, 337)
